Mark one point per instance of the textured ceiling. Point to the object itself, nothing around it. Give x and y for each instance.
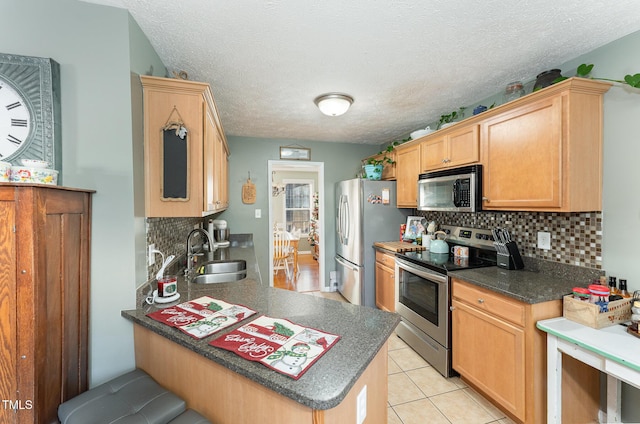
(405, 62)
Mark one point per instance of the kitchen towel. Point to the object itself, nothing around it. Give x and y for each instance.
(278, 344)
(203, 316)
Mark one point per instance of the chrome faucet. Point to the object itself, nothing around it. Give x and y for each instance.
(190, 254)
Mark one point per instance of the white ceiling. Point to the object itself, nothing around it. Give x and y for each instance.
(405, 62)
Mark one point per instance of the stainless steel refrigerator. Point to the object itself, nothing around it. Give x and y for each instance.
(366, 212)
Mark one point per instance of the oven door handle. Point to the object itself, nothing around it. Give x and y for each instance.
(421, 272)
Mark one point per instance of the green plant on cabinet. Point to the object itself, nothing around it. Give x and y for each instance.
(584, 70)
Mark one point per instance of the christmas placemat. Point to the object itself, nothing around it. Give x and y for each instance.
(203, 316)
(278, 344)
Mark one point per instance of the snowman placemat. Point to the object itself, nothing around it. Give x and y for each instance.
(203, 316)
(278, 344)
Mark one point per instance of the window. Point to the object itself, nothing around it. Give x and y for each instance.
(298, 204)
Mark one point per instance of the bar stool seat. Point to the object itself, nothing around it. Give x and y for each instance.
(131, 398)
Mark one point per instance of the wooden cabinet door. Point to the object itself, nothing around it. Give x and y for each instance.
(222, 172)
(389, 169)
(44, 300)
(522, 155)
(385, 282)
(407, 172)
(490, 353)
(210, 162)
(464, 146)
(8, 353)
(434, 154)
(460, 147)
(165, 101)
(216, 166)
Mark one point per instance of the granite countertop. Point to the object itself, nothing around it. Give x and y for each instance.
(325, 384)
(539, 281)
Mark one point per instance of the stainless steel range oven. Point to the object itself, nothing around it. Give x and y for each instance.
(423, 303)
(424, 293)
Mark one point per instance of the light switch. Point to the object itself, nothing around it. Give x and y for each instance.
(258, 213)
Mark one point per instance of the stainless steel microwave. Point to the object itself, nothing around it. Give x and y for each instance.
(451, 190)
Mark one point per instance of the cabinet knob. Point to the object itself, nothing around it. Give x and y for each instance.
(444, 161)
(485, 199)
(23, 357)
(480, 300)
(451, 308)
(24, 271)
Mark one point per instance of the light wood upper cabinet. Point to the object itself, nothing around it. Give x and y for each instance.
(190, 179)
(460, 146)
(541, 152)
(545, 152)
(407, 172)
(216, 157)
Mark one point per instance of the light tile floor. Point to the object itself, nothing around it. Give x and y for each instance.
(419, 394)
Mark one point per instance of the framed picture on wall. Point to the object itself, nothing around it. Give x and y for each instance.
(295, 153)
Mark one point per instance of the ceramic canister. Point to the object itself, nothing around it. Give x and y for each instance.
(5, 171)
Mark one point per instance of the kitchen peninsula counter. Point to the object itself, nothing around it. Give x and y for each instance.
(227, 388)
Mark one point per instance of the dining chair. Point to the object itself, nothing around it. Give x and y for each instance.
(281, 253)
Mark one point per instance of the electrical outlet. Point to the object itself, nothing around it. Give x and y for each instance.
(544, 240)
(258, 213)
(152, 255)
(361, 406)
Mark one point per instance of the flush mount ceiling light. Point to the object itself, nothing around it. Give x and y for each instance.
(333, 104)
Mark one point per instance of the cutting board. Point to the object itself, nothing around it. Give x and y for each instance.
(399, 246)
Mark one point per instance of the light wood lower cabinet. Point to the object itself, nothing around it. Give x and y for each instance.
(45, 238)
(498, 350)
(386, 292)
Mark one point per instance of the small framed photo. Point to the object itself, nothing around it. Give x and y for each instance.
(414, 227)
(295, 153)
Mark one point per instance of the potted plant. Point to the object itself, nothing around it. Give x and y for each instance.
(374, 165)
(584, 71)
(449, 118)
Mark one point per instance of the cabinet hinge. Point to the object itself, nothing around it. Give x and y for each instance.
(14, 228)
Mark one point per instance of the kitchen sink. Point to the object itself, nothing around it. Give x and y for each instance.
(225, 277)
(221, 272)
(222, 266)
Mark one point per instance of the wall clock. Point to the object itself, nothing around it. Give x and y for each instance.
(30, 110)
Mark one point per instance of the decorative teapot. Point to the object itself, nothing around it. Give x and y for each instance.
(439, 245)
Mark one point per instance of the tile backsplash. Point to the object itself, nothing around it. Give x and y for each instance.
(576, 238)
(170, 237)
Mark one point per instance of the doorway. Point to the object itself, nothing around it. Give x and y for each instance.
(289, 175)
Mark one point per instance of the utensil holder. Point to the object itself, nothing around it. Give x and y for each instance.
(508, 255)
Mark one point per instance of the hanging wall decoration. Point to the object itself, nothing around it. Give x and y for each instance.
(295, 152)
(249, 191)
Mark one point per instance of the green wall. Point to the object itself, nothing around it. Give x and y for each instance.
(94, 46)
(341, 162)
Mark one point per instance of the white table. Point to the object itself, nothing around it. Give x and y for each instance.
(611, 350)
